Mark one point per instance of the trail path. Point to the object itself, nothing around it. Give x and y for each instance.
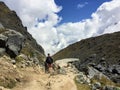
(42, 81)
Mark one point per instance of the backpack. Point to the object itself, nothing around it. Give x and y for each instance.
(49, 60)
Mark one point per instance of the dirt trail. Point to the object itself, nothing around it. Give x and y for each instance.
(42, 81)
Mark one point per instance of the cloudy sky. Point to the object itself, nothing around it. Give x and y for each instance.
(56, 24)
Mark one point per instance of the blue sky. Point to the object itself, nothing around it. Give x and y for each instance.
(77, 10)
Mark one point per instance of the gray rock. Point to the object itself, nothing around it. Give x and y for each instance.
(117, 67)
(62, 71)
(14, 43)
(35, 61)
(100, 67)
(96, 86)
(2, 51)
(108, 88)
(81, 78)
(94, 55)
(13, 61)
(28, 63)
(1, 26)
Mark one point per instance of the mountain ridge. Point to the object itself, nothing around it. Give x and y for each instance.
(92, 45)
(10, 20)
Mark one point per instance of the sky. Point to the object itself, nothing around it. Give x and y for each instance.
(76, 10)
(55, 24)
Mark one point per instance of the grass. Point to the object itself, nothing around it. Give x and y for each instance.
(104, 81)
(19, 59)
(28, 50)
(7, 82)
(82, 86)
(2, 30)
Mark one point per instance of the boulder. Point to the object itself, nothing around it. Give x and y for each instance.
(13, 61)
(81, 78)
(108, 88)
(96, 86)
(100, 67)
(62, 71)
(14, 43)
(2, 51)
(3, 40)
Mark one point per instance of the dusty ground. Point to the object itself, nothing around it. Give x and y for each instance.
(36, 79)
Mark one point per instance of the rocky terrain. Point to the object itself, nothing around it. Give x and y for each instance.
(18, 49)
(14, 38)
(102, 52)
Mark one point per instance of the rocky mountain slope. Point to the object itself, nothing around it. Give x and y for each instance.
(18, 49)
(106, 46)
(102, 52)
(17, 35)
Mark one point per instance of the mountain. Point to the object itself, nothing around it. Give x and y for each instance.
(10, 20)
(106, 46)
(18, 49)
(101, 52)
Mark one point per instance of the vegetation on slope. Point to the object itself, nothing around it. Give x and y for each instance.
(107, 46)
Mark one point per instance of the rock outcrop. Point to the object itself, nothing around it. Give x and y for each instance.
(12, 42)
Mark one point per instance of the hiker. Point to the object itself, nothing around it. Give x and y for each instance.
(48, 63)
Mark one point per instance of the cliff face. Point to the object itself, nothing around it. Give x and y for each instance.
(14, 38)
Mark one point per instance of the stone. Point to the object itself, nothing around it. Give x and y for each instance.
(1, 26)
(115, 79)
(13, 61)
(2, 51)
(96, 86)
(100, 67)
(81, 78)
(14, 43)
(108, 88)
(62, 71)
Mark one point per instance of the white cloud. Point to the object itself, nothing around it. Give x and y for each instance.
(32, 13)
(105, 20)
(82, 5)
(32, 9)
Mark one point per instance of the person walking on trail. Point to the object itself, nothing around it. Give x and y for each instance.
(48, 63)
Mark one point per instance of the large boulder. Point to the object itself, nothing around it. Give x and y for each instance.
(14, 45)
(12, 41)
